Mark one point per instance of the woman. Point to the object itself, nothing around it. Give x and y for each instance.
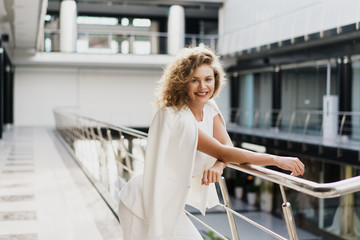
(188, 148)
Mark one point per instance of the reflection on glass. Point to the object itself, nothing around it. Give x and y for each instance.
(47, 18)
(48, 45)
(141, 22)
(97, 20)
(125, 47)
(125, 22)
(142, 47)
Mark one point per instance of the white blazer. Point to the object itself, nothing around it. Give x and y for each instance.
(159, 195)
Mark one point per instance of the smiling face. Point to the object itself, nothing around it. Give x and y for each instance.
(201, 86)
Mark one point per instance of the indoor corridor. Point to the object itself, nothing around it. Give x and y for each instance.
(45, 195)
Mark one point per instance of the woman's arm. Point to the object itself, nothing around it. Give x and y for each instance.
(229, 154)
(214, 173)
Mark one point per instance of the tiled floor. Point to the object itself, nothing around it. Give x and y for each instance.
(43, 193)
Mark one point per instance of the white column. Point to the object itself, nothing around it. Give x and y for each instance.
(68, 26)
(176, 29)
(330, 119)
(154, 38)
(330, 112)
(221, 20)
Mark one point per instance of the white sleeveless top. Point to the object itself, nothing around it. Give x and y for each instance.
(202, 196)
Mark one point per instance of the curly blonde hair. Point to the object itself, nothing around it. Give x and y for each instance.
(173, 89)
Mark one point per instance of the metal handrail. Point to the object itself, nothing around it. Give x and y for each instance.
(123, 129)
(318, 190)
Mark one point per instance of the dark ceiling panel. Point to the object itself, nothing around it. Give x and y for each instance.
(138, 8)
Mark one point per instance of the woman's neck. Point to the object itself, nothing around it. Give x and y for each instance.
(197, 111)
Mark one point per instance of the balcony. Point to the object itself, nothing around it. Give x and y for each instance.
(124, 42)
(300, 131)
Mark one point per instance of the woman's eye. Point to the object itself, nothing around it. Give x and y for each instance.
(194, 80)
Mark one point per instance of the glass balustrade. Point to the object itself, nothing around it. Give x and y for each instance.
(124, 42)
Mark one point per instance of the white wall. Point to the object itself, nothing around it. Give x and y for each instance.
(122, 97)
(223, 101)
(119, 96)
(38, 90)
(356, 100)
(248, 24)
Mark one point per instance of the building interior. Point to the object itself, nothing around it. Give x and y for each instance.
(77, 95)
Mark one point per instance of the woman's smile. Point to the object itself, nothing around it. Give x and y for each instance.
(202, 85)
(201, 94)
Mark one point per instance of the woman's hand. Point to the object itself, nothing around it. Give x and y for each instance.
(292, 164)
(213, 174)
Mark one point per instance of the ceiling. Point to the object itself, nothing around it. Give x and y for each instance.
(158, 8)
(215, 3)
(22, 20)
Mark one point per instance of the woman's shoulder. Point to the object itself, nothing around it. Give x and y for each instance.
(213, 110)
(172, 114)
(166, 112)
(212, 107)
(173, 122)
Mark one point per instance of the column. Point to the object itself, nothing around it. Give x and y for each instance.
(8, 93)
(176, 29)
(154, 38)
(1, 89)
(345, 90)
(330, 112)
(68, 26)
(234, 96)
(221, 24)
(276, 94)
(248, 94)
(347, 211)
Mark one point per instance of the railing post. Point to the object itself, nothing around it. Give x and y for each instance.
(290, 223)
(127, 156)
(291, 124)
(131, 44)
(277, 127)
(212, 43)
(225, 195)
(340, 134)
(307, 120)
(266, 119)
(257, 114)
(292, 119)
(193, 41)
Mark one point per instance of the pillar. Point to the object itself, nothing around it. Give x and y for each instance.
(234, 96)
(248, 100)
(68, 26)
(154, 38)
(345, 90)
(9, 93)
(2, 52)
(276, 94)
(347, 211)
(176, 29)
